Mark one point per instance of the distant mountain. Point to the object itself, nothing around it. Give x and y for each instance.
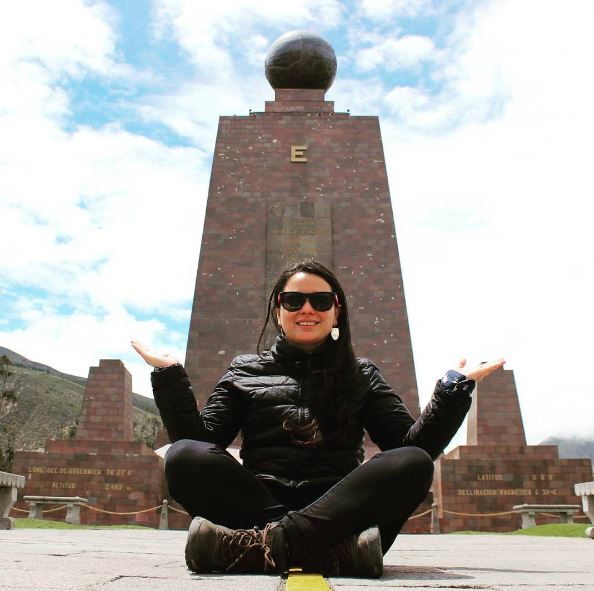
(143, 402)
(572, 447)
(48, 403)
(21, 361)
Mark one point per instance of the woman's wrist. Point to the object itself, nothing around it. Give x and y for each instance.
(161, 368)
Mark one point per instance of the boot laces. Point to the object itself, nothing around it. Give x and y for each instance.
(242, 543)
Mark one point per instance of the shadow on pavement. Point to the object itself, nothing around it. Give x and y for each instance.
(426, 573)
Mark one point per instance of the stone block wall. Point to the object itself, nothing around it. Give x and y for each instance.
(495, 417)
(492, 479)
(258, 194)
(107, 413)
(111, 477)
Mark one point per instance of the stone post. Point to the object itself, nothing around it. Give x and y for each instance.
(164, 519)
(435, 519)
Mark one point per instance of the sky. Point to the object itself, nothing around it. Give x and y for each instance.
(108, 118)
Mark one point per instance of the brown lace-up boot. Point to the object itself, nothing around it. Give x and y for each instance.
(356, 556)
(214, 548)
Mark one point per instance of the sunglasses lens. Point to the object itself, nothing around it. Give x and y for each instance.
(292, 301)
(322, 302)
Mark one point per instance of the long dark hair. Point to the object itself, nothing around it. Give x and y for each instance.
(332, 405)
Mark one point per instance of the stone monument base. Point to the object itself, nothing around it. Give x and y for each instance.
(116, 476)
(491, 479)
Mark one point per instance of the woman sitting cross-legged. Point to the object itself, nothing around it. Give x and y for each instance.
(303, 496)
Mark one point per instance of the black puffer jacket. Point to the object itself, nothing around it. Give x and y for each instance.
(256, 394)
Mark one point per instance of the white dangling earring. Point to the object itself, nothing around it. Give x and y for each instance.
(335, 333)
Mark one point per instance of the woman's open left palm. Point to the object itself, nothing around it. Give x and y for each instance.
(481, 371)
(154, 359)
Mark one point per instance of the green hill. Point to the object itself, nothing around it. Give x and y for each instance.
(47, 404)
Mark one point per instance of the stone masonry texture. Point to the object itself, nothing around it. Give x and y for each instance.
(495, 417)
(265, 211)
(107, 413)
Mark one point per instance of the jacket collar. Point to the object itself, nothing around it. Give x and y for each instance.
(284, 352)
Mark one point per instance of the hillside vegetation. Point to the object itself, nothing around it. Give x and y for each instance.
(44, 403)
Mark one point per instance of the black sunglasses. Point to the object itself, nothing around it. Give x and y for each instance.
(321, 301)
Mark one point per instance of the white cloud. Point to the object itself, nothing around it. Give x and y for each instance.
(209, 32)
(518, 284)
(111, 205)
(96, 222)
(361, 97)
(379, 10)
(227, 42)
(71, 37)
(38, 54)
(403, 101)
(193, 109)
(74, 342)
(396, 53)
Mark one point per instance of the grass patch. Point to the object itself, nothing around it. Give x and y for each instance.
(27, 523)
(554, 530)
(558, 530)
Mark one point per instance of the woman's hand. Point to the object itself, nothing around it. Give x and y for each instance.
(481, 371)
(156, 360)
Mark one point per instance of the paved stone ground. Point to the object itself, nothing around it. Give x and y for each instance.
(147, 560)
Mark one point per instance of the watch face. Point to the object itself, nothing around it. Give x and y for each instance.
(452, 377)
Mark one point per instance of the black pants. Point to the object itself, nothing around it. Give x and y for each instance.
(384, 491)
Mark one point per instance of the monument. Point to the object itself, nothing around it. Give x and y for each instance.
(298, 180)
(101, 463)
(496, 470)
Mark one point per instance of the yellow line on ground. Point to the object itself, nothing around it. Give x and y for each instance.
(298, 581)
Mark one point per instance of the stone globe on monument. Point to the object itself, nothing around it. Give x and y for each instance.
(301, 59)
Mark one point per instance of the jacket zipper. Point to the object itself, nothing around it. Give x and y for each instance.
(301, 407)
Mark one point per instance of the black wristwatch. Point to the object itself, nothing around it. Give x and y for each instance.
(457, 383)
(451, 379)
